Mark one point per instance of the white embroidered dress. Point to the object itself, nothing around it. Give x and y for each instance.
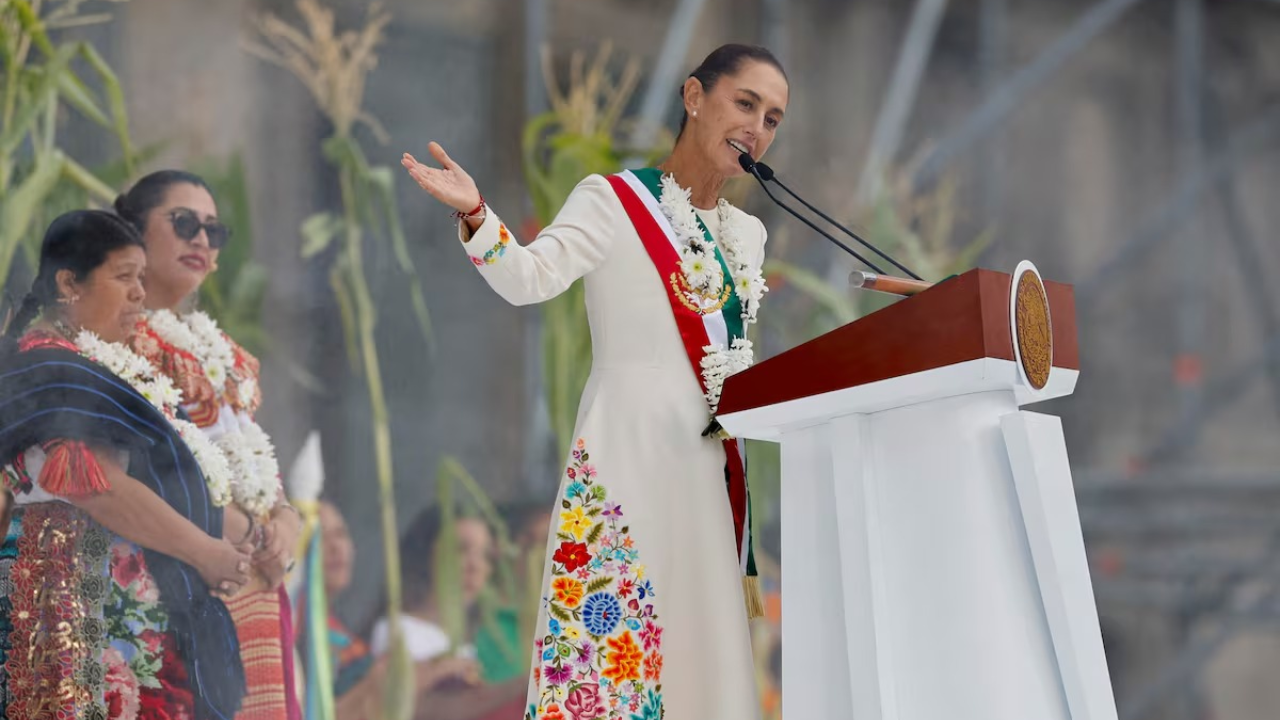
(642, 594)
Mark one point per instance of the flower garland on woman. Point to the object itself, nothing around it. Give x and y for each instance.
(218, 380)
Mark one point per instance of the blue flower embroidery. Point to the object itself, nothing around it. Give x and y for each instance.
(601, 613)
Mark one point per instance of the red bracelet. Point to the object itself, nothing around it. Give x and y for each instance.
(462, 216)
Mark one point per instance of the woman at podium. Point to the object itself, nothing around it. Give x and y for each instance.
(650, 562)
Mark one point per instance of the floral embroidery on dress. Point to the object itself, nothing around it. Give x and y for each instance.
(492, 254)
(57, 586)
(600, 657)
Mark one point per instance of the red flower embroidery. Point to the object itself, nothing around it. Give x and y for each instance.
(625, 587)
(173, 699)
(127, 566)
(572, 555)
(651, 635)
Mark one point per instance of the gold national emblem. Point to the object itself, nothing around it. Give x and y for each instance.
(1033, 333)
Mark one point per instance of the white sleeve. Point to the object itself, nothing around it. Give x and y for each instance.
(378, 639)
(574, 244)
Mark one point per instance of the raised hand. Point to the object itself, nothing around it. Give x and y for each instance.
(449, 183)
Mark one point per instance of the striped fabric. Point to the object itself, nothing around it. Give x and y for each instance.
(257, 619)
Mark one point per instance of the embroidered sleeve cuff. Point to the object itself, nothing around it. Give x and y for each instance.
(488, 243)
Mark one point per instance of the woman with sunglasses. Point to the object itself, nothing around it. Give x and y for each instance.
(176, 214)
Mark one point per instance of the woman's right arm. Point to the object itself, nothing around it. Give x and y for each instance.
(574, 244)
(131, 510)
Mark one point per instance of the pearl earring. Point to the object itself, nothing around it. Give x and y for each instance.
(695, 113)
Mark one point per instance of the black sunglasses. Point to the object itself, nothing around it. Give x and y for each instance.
(187, 225)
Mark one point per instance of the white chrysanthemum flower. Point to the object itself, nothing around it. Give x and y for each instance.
(696, 271)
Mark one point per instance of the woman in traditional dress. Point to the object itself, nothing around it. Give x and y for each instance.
(105, 574)
(178, 219)
(643, 596)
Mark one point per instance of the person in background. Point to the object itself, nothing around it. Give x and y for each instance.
(358, 676)
(449, 682)
(501, 639)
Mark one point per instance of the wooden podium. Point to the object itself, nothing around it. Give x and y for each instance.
(933, 565)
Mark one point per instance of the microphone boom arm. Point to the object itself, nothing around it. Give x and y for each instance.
(847, 231)
(756, 174)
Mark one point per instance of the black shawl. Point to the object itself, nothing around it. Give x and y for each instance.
(51, 393)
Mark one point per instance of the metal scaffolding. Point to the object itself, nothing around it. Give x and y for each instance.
(1200, 546)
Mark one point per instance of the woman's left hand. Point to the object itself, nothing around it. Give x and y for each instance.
(279, 538)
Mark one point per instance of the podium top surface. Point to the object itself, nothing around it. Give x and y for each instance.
(961, 319)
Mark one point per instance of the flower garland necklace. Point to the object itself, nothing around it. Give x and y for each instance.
(247, 448)
(160, 392)
(198, 334)
(704, 277)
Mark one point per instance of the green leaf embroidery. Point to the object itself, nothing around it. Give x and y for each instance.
(599, 584)
(594, 535)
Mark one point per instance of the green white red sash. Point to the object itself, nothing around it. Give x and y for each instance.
(697, 329)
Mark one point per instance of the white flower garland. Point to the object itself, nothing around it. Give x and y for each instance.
(248, 452)
(703, 274)
(160, 392)
(748, 281)
(211, 336)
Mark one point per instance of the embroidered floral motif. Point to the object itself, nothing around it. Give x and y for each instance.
(600, 656)
(492, 254)
(54, 664)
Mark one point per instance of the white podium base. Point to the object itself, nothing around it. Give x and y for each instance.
(932, 560)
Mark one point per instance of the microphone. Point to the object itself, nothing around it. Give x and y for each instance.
(764, 173)
(751, 167)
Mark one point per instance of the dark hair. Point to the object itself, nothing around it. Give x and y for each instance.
(517, 514)
(79, 241)
(418, 542)
(148, 194)
(728, 60)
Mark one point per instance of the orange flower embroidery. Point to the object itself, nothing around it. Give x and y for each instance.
(624, 659)
(653, 667)
(568, 591)
(553, 713)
